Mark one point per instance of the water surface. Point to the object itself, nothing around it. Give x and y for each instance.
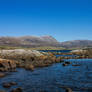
(61, 51)
(53, 78)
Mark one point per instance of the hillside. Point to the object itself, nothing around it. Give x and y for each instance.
(43, 41)
(77, 44)
(29, 41)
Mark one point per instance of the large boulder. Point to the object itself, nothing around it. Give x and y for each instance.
(19, 52)
(28, 59)
(7, 65)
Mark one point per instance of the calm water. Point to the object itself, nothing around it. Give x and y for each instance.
(62, 51)
(66, 55)
(53, 78)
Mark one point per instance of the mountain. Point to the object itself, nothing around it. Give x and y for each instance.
(29, 41)
(35, 41)
(77, 44)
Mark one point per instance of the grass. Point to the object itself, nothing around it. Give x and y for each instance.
(31, 48)
(8, 47)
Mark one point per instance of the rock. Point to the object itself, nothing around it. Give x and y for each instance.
(58, 59)
(2, 74)
(67, 62)
(17, 90)
(13, 83)
(29, 67)
(75, 65)
(27, 59)
(19, 53)
(64, 64)
(6, 85)
(7, 65)
(43, 91)
(79, 51)
(68, 90)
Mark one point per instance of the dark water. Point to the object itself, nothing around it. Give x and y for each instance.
(53, 78)
(62, 51)
(66, 55)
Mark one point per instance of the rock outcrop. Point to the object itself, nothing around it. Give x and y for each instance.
(28, 59)
(7, 65)
(19, 52)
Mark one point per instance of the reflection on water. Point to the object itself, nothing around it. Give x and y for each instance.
(53, 78)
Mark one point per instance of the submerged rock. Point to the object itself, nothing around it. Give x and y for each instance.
(6, 85)
(64, 64)
(13, 83)
(17, 90)
(76, 65)
(2, 74)
(68, 90)
(9, 84)
(67, 62)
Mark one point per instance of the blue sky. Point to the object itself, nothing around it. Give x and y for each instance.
(62, 19)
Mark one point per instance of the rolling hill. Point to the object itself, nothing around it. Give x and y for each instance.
(43, 41)
(29, 41)
(77, 44)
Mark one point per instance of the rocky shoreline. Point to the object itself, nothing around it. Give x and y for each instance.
(31, 59)
(28, 59)
(75, 54)
(20, 58)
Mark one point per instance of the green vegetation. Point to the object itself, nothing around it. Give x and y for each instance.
(8, 47)
(31, 48)
(47, 48)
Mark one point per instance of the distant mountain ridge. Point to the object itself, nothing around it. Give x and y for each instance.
(29, 41)
(77, 44)
(37, 41)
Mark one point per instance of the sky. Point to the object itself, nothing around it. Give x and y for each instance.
(63, 19)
